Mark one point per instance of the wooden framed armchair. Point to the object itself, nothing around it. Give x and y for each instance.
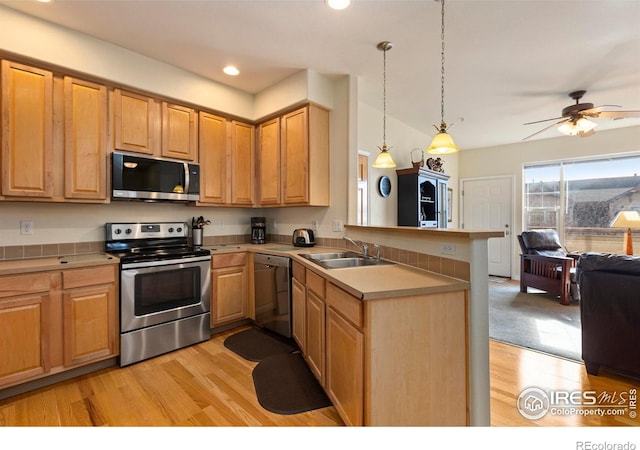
(545, 265)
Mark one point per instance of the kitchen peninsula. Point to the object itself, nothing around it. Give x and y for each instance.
(462, 254)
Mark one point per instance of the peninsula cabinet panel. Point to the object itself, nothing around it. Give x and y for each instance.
(90, 324)
(27, 131)
(213, 154)
(136, 123)
(179, 132)
(269, 163)
(23, 338)
(85, 135)
(242, 164)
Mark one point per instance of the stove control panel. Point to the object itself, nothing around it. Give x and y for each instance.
(160, 230)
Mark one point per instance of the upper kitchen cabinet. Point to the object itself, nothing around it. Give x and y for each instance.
(136, 121)
(214, 159)
(300, 148)
(179, 132)
(27, 131)
(268, 156)
(242, 164)
(85, 137)
(146, 125)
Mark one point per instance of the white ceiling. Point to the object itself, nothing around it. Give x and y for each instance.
(507, 61)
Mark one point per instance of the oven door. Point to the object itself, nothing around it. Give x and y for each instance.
(156, 292)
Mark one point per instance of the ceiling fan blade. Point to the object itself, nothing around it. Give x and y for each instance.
(546, 128)
(540, 121)
(619, 114)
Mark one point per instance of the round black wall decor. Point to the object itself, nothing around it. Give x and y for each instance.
(384, 186)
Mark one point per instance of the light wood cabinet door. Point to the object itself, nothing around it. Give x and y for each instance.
(229, 288)
(90, 327)
(85, 135)
(295, 161)
(23, 338)
(315, 335)
(136, 123)
(268, 162)
(242, 163)
(344, 380)
(27, 131)
(298, 300)
(179, 132)
(214, 159)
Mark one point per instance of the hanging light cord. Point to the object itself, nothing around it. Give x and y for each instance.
(384, 98)
(442, 125)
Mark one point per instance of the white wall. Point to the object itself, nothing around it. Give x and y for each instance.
(510, 160)
(63, 223)
(402, 139)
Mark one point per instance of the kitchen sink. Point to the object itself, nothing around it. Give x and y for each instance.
(342, 260)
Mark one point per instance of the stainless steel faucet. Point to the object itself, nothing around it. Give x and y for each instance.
(361, 245)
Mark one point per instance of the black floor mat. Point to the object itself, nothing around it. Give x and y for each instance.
(285, 385)
(255, 344)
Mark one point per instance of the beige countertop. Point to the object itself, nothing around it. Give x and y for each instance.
(366, 283)
(18, 266)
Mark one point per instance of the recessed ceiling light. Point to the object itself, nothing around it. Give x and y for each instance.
(231, 70)
(338, 4)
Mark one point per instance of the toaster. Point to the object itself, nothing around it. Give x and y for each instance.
(303, 237)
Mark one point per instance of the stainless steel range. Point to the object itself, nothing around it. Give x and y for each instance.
(165, 288)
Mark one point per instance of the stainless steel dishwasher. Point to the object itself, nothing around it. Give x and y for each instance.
(272, 278)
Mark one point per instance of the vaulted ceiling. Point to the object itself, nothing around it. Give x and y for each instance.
(507, 62)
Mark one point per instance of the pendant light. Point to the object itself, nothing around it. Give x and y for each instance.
(442, 143)
(384, 159)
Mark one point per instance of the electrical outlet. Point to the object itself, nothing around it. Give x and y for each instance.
(447, 248)
(315, 225)
(337, 225)
(26, 227)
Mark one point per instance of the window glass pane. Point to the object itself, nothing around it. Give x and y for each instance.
(581, 198)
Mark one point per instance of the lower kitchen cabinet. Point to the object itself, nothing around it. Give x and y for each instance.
(344, 381)
(397, 361)
(90, 315)
(56, 320)
(229, 288)
(298, 305)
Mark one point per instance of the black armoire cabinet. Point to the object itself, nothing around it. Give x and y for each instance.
(422, 198)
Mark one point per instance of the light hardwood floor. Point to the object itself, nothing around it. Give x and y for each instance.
(208, 385)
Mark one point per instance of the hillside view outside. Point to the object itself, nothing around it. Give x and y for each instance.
(581, 198)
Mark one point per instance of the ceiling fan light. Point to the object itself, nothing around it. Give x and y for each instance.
(585, 125)
(338, 4)
(384, 160)
(442, 144)
(568, 128)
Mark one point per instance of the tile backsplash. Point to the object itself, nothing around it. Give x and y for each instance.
(432, 263)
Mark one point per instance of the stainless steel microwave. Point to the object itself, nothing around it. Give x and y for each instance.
(153, 179)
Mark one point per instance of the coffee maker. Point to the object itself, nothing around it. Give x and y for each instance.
(258, 230)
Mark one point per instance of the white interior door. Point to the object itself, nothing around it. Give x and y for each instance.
(488, 204)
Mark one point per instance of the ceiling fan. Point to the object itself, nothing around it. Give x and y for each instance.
(575, 118)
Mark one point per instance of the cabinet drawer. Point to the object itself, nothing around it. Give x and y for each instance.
(316, 283)
(346, 304)
(24, 284)
(229, 260)
(299, 272)
(88, 277)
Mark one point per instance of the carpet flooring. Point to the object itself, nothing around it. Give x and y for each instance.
(534, 320)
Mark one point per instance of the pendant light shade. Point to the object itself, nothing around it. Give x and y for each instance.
(384, 159)
(442, 142)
